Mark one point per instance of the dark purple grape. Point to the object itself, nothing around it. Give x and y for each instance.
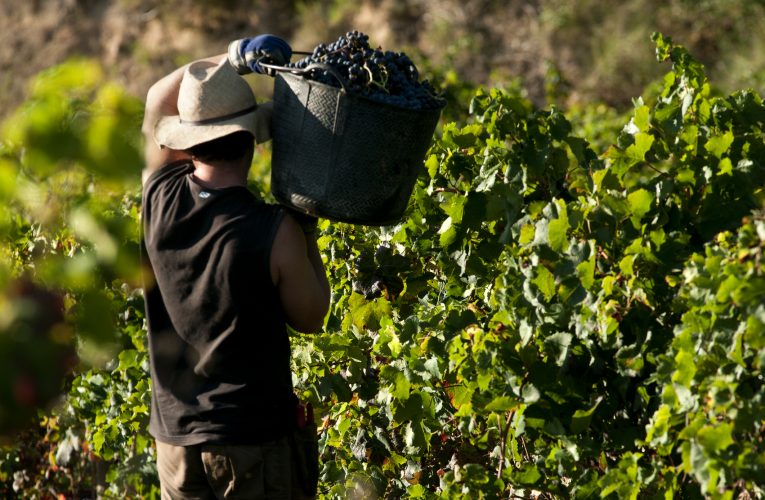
(383, 76)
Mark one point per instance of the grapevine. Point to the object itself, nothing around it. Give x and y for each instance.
(554, 317)
(383, 76)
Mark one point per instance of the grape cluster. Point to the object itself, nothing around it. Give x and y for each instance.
(382, 76)
(379, 273)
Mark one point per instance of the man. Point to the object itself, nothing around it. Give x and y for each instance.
(228, 273)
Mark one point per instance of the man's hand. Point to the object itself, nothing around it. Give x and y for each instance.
(245, 55)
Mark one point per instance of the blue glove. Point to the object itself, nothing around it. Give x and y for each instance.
(245, 55)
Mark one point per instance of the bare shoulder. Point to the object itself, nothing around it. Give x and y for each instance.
(157, 158)
(289, 247)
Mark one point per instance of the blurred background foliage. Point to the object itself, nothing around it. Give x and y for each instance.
(564, 50)
(70, 301)
(74, 74)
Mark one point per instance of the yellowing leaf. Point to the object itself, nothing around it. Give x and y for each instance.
(502, 403)
(714, 439)
(527, 234)
(557, 229)
(465, 137)
(642, 145)
(640, 202)
(545, 281)
(597, 178)
(657, 429)
(642, 118)
(720, 144)
(586, 272)
(626, 265)
(726, 167)
(448, 233)
(431, 165)
(686, 368)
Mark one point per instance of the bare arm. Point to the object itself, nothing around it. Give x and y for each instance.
(162, 100)
(298, 273)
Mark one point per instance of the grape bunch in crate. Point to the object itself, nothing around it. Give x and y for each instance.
(384, 76)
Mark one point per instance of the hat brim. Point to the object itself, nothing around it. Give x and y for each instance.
(173, 133)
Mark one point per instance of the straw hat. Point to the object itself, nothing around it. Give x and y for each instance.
(213, 101)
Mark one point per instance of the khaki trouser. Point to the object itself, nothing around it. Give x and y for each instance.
(227, 471)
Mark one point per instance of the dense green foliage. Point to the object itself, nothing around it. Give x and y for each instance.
(549, 317)
(70, 162)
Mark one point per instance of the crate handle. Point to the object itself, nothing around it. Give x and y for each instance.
(301, 71)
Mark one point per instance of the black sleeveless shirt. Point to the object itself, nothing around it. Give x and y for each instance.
(218, 343)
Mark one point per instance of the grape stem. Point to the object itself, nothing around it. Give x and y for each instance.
(372, 81)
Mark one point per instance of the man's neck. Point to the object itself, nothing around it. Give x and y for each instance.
(220, 174)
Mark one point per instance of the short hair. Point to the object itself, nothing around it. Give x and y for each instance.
(230, 147)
